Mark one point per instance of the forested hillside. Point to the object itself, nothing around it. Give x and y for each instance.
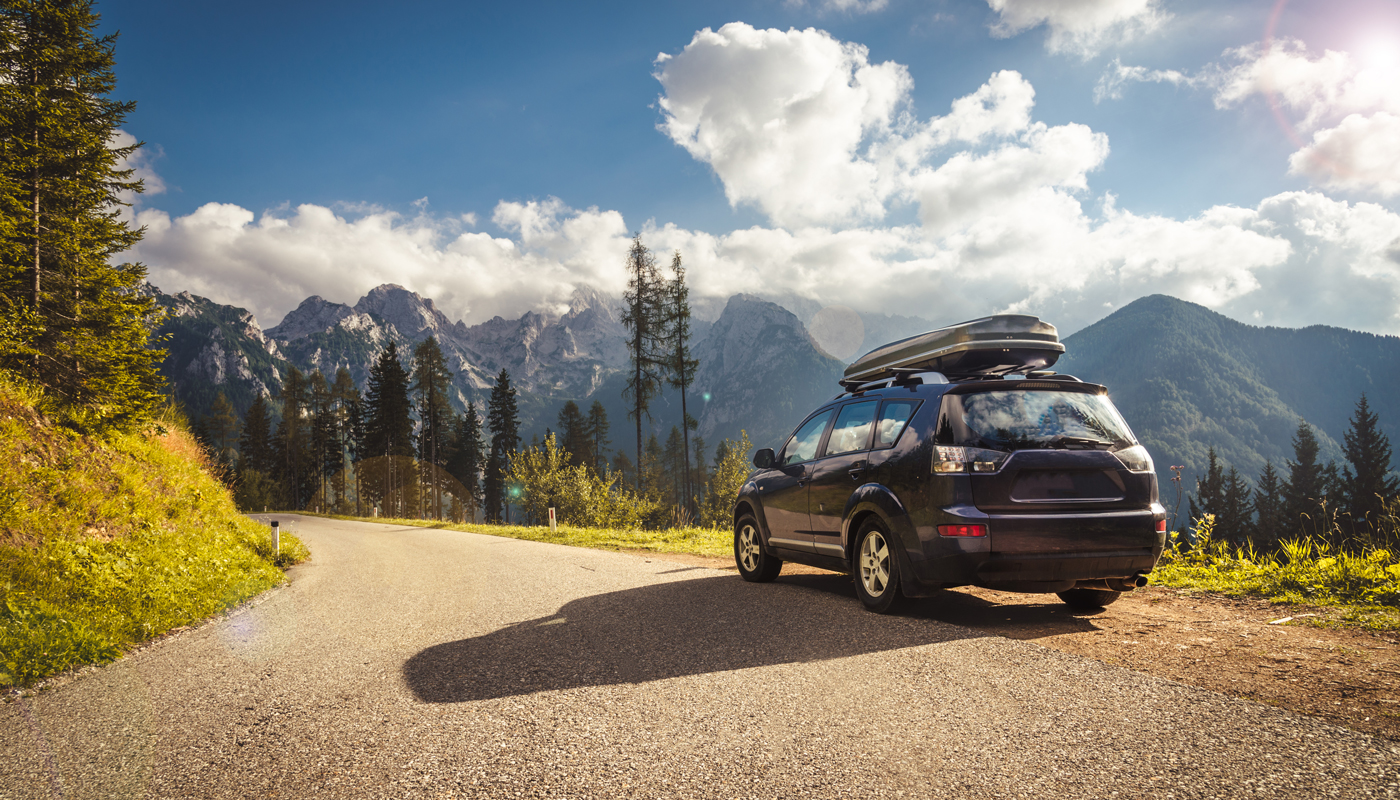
(1188, 379)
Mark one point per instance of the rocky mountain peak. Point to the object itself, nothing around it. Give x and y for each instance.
(411, 314)
(314, 315)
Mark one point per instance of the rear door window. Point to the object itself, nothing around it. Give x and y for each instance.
(852, 431)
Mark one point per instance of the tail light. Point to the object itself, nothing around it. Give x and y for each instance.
(962, 530)
(967, 459)
(1161, 526)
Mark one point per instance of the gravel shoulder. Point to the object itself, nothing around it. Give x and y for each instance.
(1347, 676)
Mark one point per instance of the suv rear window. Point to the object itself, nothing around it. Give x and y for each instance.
(1029, 419)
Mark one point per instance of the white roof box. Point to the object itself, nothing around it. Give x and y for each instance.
(997, 345)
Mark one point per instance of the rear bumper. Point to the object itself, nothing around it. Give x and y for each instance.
(1036, 552)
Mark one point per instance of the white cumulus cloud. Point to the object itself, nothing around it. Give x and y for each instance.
(1079, 27)
(268, 263)
(1350, 108)
(803, 127)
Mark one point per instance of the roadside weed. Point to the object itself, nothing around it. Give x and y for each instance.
(1307, 570)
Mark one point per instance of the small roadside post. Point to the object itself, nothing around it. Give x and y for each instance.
(551, 519)
(276, 539)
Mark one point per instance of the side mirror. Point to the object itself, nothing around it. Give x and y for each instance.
(763, 459)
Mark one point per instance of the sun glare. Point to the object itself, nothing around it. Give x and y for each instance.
(1380, 51)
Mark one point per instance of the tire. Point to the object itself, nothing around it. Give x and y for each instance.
(875, 570)
(1088, 599)
(755, 565)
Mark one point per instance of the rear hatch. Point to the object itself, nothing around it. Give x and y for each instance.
(1041, 454)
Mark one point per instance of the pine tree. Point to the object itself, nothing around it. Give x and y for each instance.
(573, 435)
(466, 462)
(345, 399)
(676, 469)
(1234, 519)
(597, 432)
(504, 421)
(679, 363)
(291, 441)
(1269, 519)
(1306, 483)
(644, 317)
(388, 434)
(624, 469)
(431, 381)
(699, 474)
(222, 425)
(324, 438)
(75, 322)
(1210, 490)
(652, 473)
(1366, 482)
(255, 444)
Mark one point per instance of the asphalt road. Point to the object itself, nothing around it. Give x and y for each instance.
(410, 662)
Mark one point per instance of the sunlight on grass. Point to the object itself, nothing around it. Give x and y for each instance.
(1363, 586)
(108, 542)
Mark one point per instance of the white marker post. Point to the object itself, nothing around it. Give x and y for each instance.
(551, 519)
(276, 539)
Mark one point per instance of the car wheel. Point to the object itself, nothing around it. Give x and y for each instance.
(754, 564)
(1088, 599)
(876, 573)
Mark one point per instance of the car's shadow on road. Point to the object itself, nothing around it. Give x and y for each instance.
(1030, 617)
(667, 630)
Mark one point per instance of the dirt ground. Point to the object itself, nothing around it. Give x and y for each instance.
(1348, 677)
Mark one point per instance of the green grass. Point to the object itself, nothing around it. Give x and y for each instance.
(107, 542)
(1363, 588)
(695, 541)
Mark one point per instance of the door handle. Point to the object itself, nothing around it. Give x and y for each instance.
(855, 471)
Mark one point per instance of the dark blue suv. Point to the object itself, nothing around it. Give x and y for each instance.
(920, 482)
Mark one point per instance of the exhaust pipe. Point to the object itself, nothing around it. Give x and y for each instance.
(1115, 584)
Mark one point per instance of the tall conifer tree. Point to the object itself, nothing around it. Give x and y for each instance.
(1210, 490)
(77, 323)
(680, 364)
(388, 431)
(1306, 483)
(1366, 481)
(573, 435)
(466, 462)
(291, 441)
(504, 420)
(255, 444)
(1269, 522)
(431, 381)
(598, 436)
(644, 317)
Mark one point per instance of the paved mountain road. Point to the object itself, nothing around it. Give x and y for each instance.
(410, 662)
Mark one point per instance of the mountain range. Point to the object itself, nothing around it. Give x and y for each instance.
(1185, 377)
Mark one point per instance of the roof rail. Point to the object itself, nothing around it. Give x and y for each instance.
(902, 377)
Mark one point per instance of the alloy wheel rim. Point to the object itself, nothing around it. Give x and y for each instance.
(874, 564)
(748, 548)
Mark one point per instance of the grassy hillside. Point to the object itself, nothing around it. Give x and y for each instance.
(1187, 378)
(108, 542)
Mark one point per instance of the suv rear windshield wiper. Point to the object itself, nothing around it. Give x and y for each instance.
(1077, 441)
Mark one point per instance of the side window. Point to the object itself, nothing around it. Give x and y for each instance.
(894, 416)
(852, 431)
(803, 444)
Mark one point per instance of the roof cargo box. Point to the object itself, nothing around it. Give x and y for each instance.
(996, 345)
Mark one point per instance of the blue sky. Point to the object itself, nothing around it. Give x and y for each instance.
(798, 150)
